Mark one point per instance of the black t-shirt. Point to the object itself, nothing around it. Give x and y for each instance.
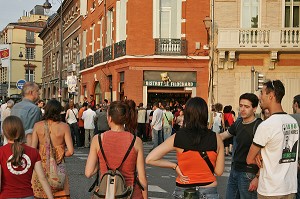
(244, 137)
(185, 139)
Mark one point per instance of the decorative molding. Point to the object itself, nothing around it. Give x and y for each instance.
(222, 56)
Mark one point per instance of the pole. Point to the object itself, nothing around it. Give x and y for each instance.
(61, 54)
(252, 79)
(28, 67)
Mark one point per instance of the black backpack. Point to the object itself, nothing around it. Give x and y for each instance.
(112, 184)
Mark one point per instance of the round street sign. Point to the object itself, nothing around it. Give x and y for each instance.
(20, 83)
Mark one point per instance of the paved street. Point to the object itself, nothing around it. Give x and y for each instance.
(161, 181)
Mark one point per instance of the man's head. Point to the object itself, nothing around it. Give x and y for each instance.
(272, 92)
(31, 91)
(248, 103)
(40, 103)
(155, 105)
(296, 104)
(91, 97)
(84, 105)
(141, 105)
(10, 103)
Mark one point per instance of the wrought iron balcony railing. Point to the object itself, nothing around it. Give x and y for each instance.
(82, 64)
(90, 61)
(120, 49)
(170, 46)
(107, 53)
(98, 57)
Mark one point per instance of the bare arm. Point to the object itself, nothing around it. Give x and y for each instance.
(69, 142)
(28, 139)
(253, 151)
(91, 165)
(140, 165)
(34, 139)
(225, 135)
(42, 178)
(220, 162)
(67, 115)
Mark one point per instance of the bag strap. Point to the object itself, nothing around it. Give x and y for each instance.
(207, 160)
(74, 113)
(125, 157)
(166, 117)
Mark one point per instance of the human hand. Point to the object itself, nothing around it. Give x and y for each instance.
(184, 179)
(259, 160)
(253, 184)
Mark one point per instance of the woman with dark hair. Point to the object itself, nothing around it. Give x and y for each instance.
(228, 119)
(18, 162)
(60, 137)
(200, 153)
(121, 115)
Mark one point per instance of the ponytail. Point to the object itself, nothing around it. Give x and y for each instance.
(131, 116)
(14, 131)
(17, 153)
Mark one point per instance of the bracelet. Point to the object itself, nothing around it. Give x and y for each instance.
(175, 167)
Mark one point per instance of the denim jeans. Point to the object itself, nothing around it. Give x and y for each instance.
(167, 132)
(30, 197)
(238, 185)
(157, 137)
(204, 192)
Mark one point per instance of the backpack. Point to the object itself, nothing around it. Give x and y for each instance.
(112, 184)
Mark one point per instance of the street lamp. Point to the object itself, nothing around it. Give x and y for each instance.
(47, 6)
(28, 64)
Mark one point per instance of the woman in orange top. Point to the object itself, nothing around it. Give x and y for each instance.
(192, 170)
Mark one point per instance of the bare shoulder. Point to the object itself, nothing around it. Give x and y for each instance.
(138, 143)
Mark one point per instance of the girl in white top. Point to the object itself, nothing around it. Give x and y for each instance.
(217, 118)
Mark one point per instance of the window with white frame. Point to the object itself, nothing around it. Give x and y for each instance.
(167, 18)
(30, 53)
(250, 13)
(101, 34)
(29, 36)
(84, 33)
(292, 14)
(29, 76)
(121, 20)
(93, 38)
(109, 27)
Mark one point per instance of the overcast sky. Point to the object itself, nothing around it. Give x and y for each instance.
(12, 10)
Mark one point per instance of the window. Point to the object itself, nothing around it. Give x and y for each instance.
(30, 53)
(109, 28)
(84, 43)
(29, 37)
(93, 38)
(121, 85)
(101, 34)
(250, 13)
(292, 16)
(167, 19)
(121, 20)
(29, 76)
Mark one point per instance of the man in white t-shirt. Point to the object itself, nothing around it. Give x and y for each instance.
(88, 117)
(277, 140)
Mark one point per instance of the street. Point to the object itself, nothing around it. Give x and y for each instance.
(161, 181)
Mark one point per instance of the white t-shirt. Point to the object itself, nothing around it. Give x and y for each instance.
(72, 115)
(278, 136)
(89, 117)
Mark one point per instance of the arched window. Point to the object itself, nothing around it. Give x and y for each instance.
(98, 93)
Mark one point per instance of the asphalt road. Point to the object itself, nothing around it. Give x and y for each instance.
(161, 181)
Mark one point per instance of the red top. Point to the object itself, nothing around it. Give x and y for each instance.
(16, 181)
(194, 166)
(115, 145)
(229, 118)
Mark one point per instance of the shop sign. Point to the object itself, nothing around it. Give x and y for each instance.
(169, 84)
(72, 83)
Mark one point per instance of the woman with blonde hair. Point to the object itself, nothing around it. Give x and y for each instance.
(18, 162)
(59, 137)
(122, 119)
(200, 153)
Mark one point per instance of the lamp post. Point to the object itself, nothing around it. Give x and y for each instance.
(28, 64)
(48, 6)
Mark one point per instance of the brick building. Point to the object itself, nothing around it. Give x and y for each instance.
(144, 50)
(263, 34)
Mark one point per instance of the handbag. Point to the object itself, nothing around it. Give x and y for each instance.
(55, 173)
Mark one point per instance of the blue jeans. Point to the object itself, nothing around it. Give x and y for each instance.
(157, 137)
(238, 185)
(204, 192)
(167, 132)
(298, 178)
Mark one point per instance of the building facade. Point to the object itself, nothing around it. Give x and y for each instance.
(25, 50)
(255, 34)
(151, 50)
(61, 53)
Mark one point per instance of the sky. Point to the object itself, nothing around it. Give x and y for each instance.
(12, 10)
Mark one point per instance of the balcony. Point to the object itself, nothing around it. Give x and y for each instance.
(170, 46)
(258, 39)
(120, 49)
(98, 57)
(90, 61)
(82, 64)
(107, 53)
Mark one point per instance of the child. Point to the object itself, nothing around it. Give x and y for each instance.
(18, 162)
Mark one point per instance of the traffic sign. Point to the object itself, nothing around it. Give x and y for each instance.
(20, 83)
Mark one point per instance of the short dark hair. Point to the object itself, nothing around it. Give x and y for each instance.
(218, 107)
(52, 110)
(297, 100)
(196, 113)
(277, 87)
(251, 97)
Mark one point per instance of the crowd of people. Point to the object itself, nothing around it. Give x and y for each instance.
(264, 151)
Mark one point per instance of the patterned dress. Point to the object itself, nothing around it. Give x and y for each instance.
(36, 185)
